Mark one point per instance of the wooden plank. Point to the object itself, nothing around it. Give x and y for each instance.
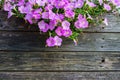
(59, 75)
(59, 61)
(113, 24)
(15, 24)
(112, 27)
(27, 41)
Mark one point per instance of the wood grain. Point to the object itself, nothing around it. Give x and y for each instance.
(27, 41)
(23, 55)
(60, 76)
(59, 61)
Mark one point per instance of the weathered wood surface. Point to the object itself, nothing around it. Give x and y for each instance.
(60, 76)
(33, 41)
(23, 55)
(59, 61)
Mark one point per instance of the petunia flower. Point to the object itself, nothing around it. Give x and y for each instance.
(107, 7)
(50, 42)
(7, 7)
(100, 2)
(59, 31)
(91, 4)
(81, 23)
(116, 2)
(67, 33)
(69, 14)
(79, 4)
(58, 41)
(105, 21)
(43, 26)
(66, 25)
(29, 18)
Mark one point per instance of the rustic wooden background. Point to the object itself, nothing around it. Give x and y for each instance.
(23, 55)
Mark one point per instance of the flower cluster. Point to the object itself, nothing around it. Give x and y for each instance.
(60, 18)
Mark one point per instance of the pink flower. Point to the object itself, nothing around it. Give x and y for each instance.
(79, 4)
(116, 2)
(54, 41)
(58, 41)
(10, 13)
(67, 33)
(107, 7)
(59, 31)
(105, 21)
(91, 4)
(59, 17)
(43, 26)
(45, 15)
(52, 24)
(51, 15)
(62, 32)
(50, 42)
(101, 2)
(69, 14)
(8, 7)
(81, 22)
(80, 17)
(29, 18)
(66, 25)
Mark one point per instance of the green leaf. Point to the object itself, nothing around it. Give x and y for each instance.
(119, 10)
(1, 3)
(74, 35)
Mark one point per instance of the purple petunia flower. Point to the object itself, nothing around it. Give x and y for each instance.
(58, 41)
(66, 25)
(7, 7)
(80, 16)
(52, 24)
(81, 22)
(50, 42)
(79, 4)
(105, 21)
(36, 14)
(43, 26)
(25, 9)
(67, 33)
(59, 31)
(51, 15)
(54, 41)
(41, 2)
(69, 14)
(100, 2)
(49, 7)
(116, 2)
(21, 2)
(10, 13)
(91, 4)
(59, 17)
(69, 6)
(22, 9)
(45, 15)
(29, 18)
(107, 7)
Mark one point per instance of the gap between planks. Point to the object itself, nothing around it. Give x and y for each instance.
(50, 71)
(60, 76)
